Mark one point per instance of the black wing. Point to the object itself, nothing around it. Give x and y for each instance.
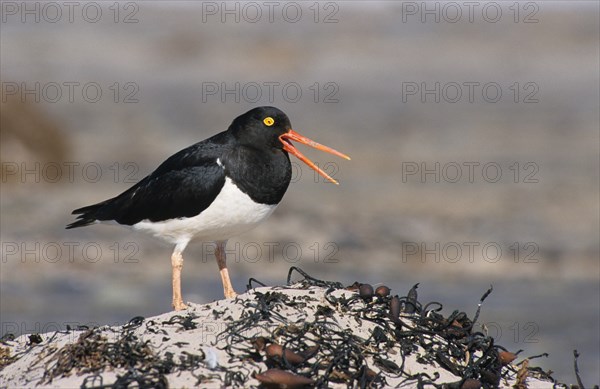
(182, 186)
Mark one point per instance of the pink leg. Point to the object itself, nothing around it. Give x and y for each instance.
(177, 264)
(221, 261)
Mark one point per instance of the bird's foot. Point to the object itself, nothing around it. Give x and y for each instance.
(178, 305)
(230, 293)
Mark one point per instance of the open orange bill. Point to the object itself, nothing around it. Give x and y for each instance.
(289, 147)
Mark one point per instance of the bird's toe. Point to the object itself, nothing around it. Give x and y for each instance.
(179, 306)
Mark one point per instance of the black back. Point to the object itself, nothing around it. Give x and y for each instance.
(184, 185)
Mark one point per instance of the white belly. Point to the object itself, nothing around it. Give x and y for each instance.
(231, 213)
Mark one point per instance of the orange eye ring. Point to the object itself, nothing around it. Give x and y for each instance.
(269, 121)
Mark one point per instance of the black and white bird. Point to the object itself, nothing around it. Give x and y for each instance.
(213, 190)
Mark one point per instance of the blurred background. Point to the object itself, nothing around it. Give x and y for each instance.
(473, 130)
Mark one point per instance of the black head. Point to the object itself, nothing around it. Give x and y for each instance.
(261, 127)
(269, 127)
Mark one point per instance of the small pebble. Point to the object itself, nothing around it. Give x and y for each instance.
(366, 291)
(276, 378)
(382, 291)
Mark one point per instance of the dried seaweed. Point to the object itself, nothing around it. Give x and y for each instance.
(94, 353)
(308, 349)
(342, 356)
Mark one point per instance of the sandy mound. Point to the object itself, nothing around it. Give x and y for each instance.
(310, 333)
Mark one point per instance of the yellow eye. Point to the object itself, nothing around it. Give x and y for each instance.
(269, 121)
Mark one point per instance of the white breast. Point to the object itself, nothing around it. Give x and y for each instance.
(231, 213)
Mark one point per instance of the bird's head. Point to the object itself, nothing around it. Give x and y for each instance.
(269, 126)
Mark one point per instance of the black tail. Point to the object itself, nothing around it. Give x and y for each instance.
(87, 215)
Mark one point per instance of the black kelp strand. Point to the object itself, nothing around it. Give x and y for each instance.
(94, 352)
(255, 281)
(311, 280)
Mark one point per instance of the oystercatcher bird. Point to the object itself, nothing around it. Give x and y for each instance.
(213, 190)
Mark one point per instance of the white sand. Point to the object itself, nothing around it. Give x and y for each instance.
(33, 360)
